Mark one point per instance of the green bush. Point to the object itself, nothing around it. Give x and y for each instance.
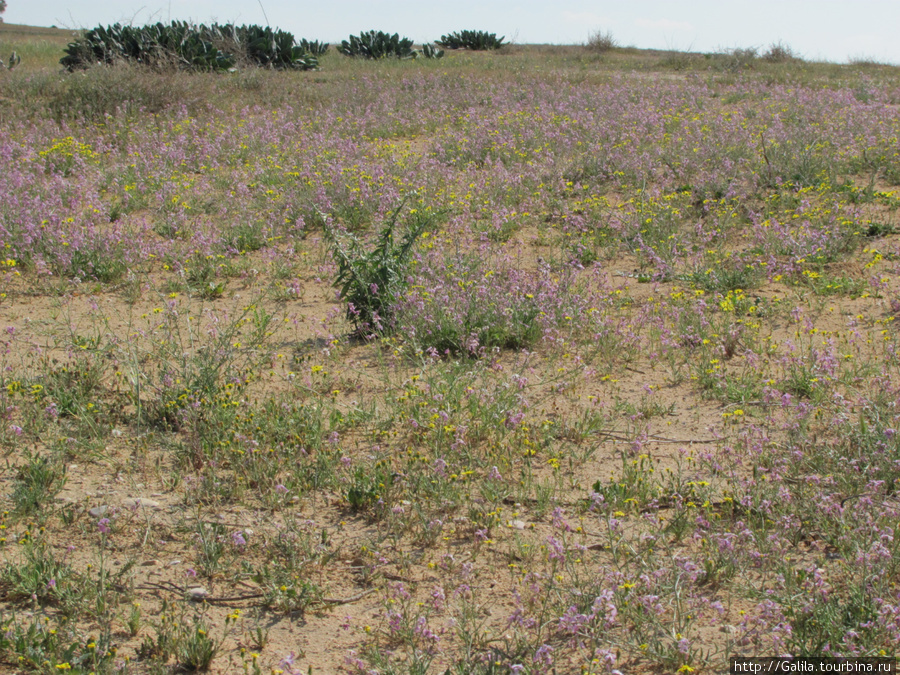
(378, 45)
(156, 45)
(192, 47)
(313, 47)
(263, 46)
(471, 39)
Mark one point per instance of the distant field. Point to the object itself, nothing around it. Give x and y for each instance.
(39, 47)
(546, 360)
(34, 33)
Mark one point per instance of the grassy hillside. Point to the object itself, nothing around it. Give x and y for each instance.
(39, 48)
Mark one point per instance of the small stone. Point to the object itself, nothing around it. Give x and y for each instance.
(172, 563)
(133, 503)
(98, 511)
(149, 563)
(197, 593)
(517, 524)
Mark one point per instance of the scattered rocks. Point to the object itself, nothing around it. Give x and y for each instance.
(135, 502)
(98, 511)
(197, 593)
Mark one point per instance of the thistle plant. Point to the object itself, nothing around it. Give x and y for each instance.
(372, 282)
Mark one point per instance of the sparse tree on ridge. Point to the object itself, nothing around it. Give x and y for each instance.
(2, 8)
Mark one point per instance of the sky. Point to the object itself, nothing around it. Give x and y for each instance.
(828, 30)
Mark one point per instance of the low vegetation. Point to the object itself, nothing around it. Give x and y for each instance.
(496, 364)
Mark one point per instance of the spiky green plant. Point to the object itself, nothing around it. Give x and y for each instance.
(471, 39)
(265, 47)
(191, 46)
(13, 61)
(313, 47)
(377, 45)
(429, 51)
(372, 282)
(180, 44)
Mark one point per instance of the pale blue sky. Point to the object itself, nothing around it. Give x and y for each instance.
(833, 30)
